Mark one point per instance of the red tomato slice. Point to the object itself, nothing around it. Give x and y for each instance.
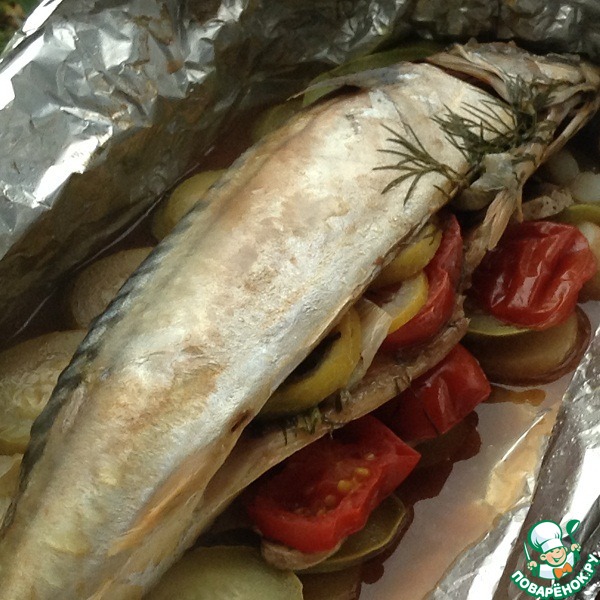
(439, 399)
(449, 255)
(327, 490)
(443, 273)
(533, 277)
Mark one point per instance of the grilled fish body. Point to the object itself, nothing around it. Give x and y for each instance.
(212, 322)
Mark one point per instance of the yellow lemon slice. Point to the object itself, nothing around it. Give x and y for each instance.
(336, 358)
(407, 301)
(184, 197)
(412, 259)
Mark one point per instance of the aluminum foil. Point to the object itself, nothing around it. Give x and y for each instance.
(105, 104)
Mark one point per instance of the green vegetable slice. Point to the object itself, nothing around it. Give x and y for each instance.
(226, 573)
(340, 585)
(378, 534)
(483, 324)
(378, 60)
(580, 213)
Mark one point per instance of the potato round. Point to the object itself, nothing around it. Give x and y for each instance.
(561, 168)
(9, 480)
(184, 197)
(28, 374)
(225, 573)
(98, 284)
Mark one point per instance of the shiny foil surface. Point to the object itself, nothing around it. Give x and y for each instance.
(105, 104)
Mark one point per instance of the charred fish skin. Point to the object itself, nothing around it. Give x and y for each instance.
(210, 325)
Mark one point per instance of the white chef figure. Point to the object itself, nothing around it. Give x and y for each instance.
(546, 538)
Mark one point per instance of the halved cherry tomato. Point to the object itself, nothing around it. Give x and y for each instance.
(532, 278)
(443, 273)
(439, 399)
(327, 490)
(449, 256)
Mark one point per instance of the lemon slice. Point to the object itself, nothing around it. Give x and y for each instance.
(412, 259)
(306, 387)
(407, 301)
(184, 197)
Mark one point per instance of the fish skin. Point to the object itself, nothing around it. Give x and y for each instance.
(205, 330)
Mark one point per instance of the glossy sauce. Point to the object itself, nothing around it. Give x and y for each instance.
(457, 500)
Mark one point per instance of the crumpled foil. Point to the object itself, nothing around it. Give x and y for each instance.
(105, 104)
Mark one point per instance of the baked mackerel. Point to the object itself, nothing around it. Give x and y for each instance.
(155, 399)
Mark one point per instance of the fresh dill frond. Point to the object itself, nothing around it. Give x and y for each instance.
(414, 161)
(493, 126)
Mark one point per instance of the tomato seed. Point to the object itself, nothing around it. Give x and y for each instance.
(344, 486)
(362, 472)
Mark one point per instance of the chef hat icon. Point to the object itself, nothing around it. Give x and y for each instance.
(545, 536)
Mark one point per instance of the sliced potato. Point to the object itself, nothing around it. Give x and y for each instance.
(28, 374)
(98, 284)
(226, 573)
(273, 118)
(9, 480)
(534, 356)
(184, 197)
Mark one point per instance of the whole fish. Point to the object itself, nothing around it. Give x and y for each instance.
(120, 474)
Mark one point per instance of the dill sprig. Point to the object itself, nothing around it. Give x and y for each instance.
(415, 161)
(490, 127)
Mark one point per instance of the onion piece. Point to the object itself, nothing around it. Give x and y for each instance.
(375, 323)
(586, 187)
(561, 168)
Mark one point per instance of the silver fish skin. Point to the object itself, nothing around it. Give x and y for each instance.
(207, 328)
